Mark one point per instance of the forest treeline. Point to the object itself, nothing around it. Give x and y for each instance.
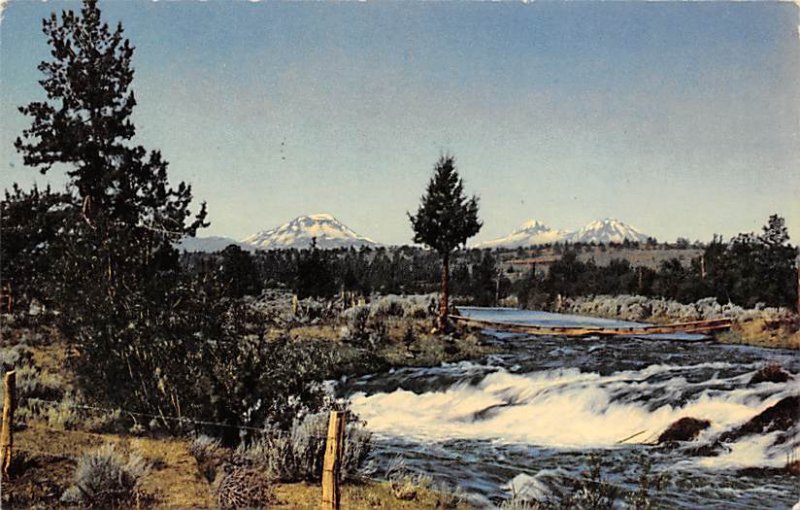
(746, 270)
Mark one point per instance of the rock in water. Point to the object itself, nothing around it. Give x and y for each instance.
(782, 416)
(684, 429)
(771, 373)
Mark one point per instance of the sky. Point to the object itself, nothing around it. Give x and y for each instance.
(681, 119)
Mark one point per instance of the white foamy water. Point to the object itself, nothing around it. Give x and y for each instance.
(527, 419)
(567, 408)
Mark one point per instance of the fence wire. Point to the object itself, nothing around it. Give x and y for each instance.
(165, 417)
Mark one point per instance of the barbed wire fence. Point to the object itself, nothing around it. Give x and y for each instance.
(332, 442)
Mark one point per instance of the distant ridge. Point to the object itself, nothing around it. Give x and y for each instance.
(209, 244)
(531, 233)
(325, 228)
(536, 233)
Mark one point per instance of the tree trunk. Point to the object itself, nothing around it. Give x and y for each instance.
(444, 306)
(797, 267)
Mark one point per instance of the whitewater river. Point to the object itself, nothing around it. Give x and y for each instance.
(528, 418)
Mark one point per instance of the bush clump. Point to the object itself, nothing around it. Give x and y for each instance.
(240, 487)
(106, 478)
(297, 454)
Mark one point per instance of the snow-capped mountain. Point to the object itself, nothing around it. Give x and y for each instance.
(606, 231)
(531, 233)
(298, 233)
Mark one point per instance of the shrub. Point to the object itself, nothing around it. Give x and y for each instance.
(204, 447)
(357, 319)
(32, 382)
(297, 454)
(17, 355)
(106, 478)
(404, 482)
(208, 453)
(241, 487)
(388, 306)
(405, 487)
(448, 496)
(68, 415)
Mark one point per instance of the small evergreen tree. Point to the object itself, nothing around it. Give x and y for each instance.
(314, 274)
(446, 218)
(774, 232)
(238, 273)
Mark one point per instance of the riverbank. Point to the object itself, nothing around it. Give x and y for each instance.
(775, 328)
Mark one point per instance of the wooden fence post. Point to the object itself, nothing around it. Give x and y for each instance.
(331, 467)
(6, 434)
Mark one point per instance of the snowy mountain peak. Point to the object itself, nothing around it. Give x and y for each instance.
(533, 224)
(531, 233)
(608, 230)
(534, 232)
(322, 217)
(298, 233)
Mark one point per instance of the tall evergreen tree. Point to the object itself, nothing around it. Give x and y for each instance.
(446, 218)
(119, 273)
(85, 123)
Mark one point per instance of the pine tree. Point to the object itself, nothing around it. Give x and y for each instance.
(85, 123)
(238, 273)
(774, 232)
(446, 218)
(119, 286)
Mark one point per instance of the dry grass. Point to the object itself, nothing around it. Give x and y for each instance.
(50, 457)
(174, 480)
(316, 332)
(763, 333)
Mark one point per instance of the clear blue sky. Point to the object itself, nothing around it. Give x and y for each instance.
(679, 118)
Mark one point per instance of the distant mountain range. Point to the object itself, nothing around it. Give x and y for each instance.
(534, 233)
(331, 233)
